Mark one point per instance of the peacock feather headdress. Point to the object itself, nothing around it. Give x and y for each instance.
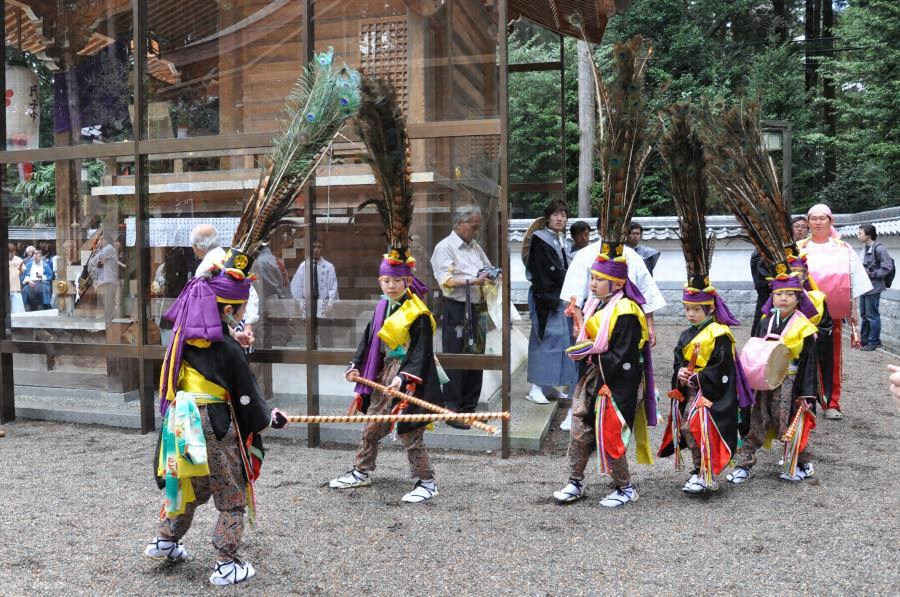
(682, 151)
(625, 137)
(743, 174)
(322, 99)
(382, 126)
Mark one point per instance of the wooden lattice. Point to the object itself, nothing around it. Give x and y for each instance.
(383, 53)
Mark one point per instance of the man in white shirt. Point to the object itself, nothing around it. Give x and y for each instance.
(105, 267)
(458, 262)
(205, 242)
(577, 282)
(325, 286)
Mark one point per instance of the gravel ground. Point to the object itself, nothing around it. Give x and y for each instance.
(79, 505)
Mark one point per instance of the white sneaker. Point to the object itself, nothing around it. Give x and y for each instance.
(693, 485)
(351, 479)
(620, 497)
(231, 573)
(804, 471)
(422, 492)
(536, 395)
(572, 492)
(566, 425)
(738, 475)
(163, 549)
(551, 392)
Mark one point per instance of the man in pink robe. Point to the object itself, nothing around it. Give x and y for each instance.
(839, 273)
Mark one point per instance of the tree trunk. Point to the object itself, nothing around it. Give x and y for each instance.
(586, 115)
(828, 93)
(812, 34)
(781, 19)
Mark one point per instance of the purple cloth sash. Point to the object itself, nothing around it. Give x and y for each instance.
(373, 359)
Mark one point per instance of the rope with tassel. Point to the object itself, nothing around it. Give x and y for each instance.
(793, 436)
(675, 413)
(424, 418)
(422, 403)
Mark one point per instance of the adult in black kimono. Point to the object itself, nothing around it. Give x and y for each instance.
(777, 410)
(396, 350)
(551, 331)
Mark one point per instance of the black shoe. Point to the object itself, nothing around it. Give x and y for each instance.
(459, 425)
(870, 347)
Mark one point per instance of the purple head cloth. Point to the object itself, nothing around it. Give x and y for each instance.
(805, 305)
(195, 315)
(619, 269)
(403, 270)
(721, 312)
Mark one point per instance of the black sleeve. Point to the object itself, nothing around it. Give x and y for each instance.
(719, 370)
(546, 271)
(756, 272)
(623, 348)
(255, 415)
(420, 354)
(826, 324)
(363, 345)
(678, 365)
(806, 381)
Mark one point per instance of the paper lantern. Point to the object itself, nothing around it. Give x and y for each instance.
(23, 108)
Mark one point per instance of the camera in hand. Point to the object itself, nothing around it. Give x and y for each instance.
(492, 273)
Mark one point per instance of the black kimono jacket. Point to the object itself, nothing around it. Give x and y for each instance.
(419, 362)
(622, 367)
(718, 381)
(225, 364)
(546, 268)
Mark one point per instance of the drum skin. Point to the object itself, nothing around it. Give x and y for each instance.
(765, 363)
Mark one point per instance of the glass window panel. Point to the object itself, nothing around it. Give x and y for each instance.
(209, 187)
(440, 56)
(221, 68)
(535, 146)
(456, 173)
(530, 43)
(83, 288)
(68, 74)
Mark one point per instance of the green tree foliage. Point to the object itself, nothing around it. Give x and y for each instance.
(868, 84)
(33, 204)
(729, 49)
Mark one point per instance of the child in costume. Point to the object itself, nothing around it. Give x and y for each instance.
(212, 408)
(787, 412)
(707, 382)
(707, 387)
(396, 348)
(607, 408)
(213, 413)
(741, 169)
